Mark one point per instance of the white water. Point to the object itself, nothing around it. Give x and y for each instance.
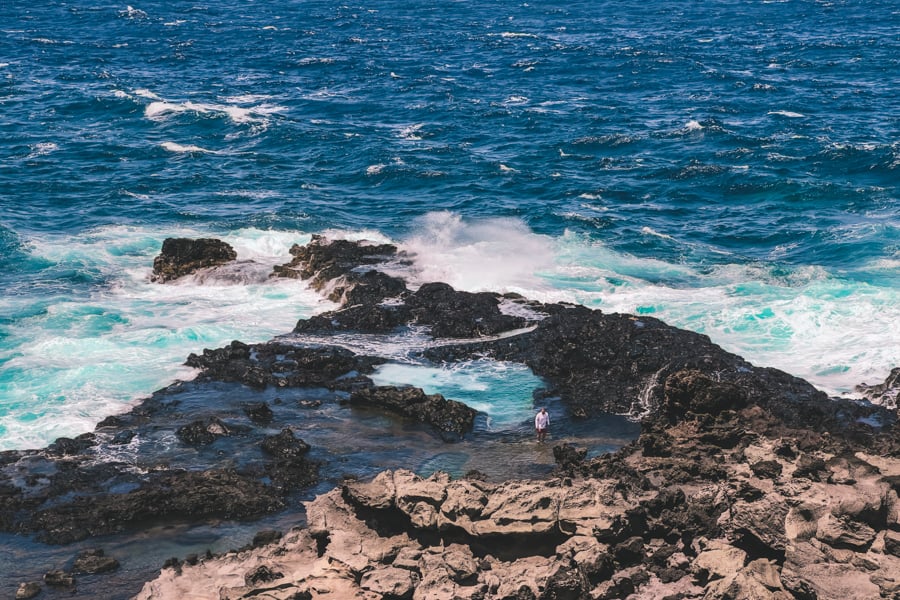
(71, 360)
(75, 353)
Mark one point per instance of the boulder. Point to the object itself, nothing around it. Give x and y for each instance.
(94, 561)
(28, 590)
(183, 256)
(452, 419)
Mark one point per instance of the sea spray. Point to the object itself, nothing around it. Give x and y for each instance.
(75, 356)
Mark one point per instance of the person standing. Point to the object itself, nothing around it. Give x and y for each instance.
(541, 423)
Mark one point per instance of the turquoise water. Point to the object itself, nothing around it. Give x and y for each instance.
(728, 167)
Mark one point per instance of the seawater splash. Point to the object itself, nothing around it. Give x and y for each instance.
(96, 335)
(833, 329)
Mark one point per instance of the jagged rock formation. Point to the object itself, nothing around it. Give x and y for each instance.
(741, 536)
(886, 394)
(745, 482)
(183, 256)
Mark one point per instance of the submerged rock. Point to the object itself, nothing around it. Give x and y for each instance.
(94, 561)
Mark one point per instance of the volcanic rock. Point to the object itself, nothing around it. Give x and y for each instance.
(183, 256)
(94, 561)
(448, 417)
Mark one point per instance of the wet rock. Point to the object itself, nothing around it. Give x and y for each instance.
(568, 458)
(68, 447)
(454, 314)
(28, 590)
(259, 413)
(183, 256)
(886, 394)
(446, 416)
(337, 263)
(181, 495)
(284, 445)
(264, 537)
(59, 578)
(123, 437)
(94, 561)
(202, 433)
(280, 365)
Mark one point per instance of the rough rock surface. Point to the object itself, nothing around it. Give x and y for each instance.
(886, 394)
(449, 417)
(745, 482)
(183, 256)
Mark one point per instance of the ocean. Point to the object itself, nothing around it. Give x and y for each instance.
(731, 168)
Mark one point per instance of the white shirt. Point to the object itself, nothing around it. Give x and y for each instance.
(541, 420)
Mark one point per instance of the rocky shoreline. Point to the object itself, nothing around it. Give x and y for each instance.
(745, 482)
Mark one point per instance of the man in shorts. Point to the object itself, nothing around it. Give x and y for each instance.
(541, 423)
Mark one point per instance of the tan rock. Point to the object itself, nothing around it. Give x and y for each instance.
(742, 586)
(378, 493)
(808, 569)
(766, 572)
(389, 581)
(802, 522)
(717, 561)
(841, 532)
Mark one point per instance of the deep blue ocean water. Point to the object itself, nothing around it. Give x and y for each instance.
(729, 167)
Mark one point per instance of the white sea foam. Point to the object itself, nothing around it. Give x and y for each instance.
(787, 113)
(70, 361)
(133, 13)
(162, 109)
(144, 93)
(42, 149)
(693, 126)
(812, 323)
(189, 148)
(411, 132)
(497, 254)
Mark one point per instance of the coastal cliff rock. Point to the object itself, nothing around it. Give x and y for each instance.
(183, 256)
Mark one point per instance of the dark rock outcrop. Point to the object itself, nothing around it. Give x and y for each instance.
(281, 364)
(183, 256)
(168, 495)
(449, 417)
(94, 561)
(886, 394)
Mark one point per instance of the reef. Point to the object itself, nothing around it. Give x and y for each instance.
(745, 482)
